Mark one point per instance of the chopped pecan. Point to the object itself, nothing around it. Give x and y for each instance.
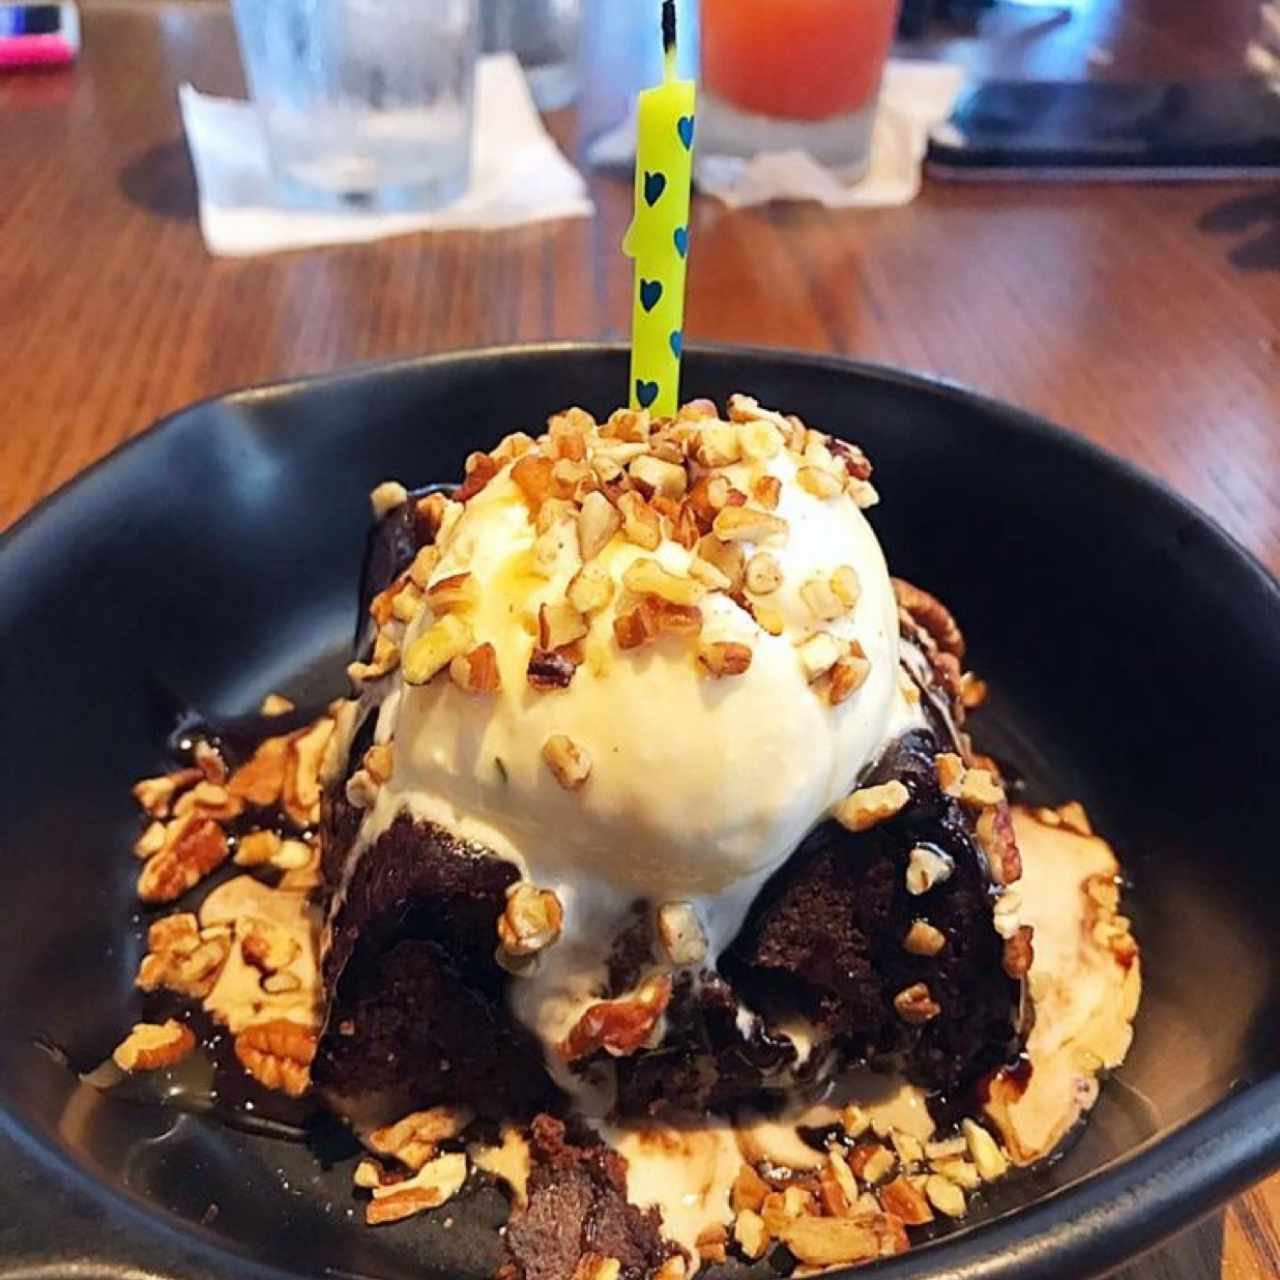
(742, 524)
(829, 1242)
(598, 521)
(531, 921)
(151, 841)
(621, 1026)
(869, 806)
(382, 608)
(275, 704)
(871, 1161)
(156, 795)
(820, 482)
(646, 576)
(848, 675)
(256, 849)
(749, 1190)
(533, 475)
(267, 947)
(549, 669)
(1019, 953)
(925, 868)
(260, 779)
(915, 1004)
(818, 655)
(681, 933)
(480, 469)
(194, 846)
(904, 1201)
(923, 939)
(413, 1139)
(722, 658)
(437, 1181)
(855, 462)
(945, 1196)
(278, 1055)
(435, 648)
(477, 671)
(995, 835)
(153, 1046)
(300, 794)
(711, 1242)
(181, 958)
(209, 800)
(991, 1163)
(640, 522)
(656, 477)
(638, 626)
(750, 1234)
(933, 616)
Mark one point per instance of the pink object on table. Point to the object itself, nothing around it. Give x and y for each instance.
(38, 35)
(35, 51)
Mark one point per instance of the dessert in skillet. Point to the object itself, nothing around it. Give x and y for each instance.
(649, 869)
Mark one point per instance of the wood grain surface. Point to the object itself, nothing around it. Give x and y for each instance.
(1145, 317)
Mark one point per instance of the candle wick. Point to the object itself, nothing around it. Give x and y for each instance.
(669, 36)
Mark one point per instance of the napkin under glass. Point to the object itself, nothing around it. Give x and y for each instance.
(518, 175)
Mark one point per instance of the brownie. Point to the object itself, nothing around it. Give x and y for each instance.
(417, 1007)
(577, 1205)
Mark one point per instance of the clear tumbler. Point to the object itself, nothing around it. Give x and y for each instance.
(365, 103)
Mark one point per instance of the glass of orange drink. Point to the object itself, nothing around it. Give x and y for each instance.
(784, 74)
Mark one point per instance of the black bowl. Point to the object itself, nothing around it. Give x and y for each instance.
(1131, 642)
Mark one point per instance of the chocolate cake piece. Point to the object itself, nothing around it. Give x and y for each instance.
(417, 1008)
(827, 938)
(577, 1206)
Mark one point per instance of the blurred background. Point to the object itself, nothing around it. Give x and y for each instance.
(150, 253)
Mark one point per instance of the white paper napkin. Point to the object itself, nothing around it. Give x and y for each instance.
(914, 97)
(518, 176)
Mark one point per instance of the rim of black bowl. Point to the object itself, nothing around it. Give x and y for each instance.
(1082, 1230)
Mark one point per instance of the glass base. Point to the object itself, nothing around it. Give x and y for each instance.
(841, 142)
(297, 193)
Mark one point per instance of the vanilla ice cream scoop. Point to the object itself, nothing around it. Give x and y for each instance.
(646, 662)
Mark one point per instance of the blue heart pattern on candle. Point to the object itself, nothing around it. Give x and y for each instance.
(654, 185)
(684, 127)
(677, 343)
(646, 392)
(681, 237)
(650, 292)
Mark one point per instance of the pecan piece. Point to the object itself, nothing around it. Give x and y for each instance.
(621, 1026)
(153, 1046)
(904, 1201)
(278, 1055)
(413, 1139)
(929, 613)
(549, 669)
(194, 847)
(480, 469)
(437, 1181)
(1019, 953)
(915, 1004)
(260, 779)
(722, 658)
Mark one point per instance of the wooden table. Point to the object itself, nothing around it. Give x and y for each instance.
(1147, 318)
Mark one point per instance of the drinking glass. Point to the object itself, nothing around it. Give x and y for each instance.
(364, 103)
(543, 34)
(779, 75)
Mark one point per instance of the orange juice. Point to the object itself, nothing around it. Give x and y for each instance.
(802, 60)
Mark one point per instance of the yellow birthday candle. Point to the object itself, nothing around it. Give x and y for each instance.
(658, 238)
